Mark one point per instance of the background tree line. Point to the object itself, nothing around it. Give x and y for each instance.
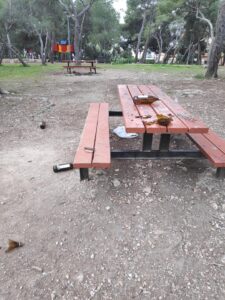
(181, 30)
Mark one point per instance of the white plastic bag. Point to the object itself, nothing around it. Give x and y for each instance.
(121, 132)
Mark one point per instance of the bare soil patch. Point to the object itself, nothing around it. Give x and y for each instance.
(157, 232)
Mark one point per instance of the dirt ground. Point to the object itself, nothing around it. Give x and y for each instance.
(141, 230)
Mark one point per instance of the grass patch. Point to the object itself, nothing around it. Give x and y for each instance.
(199, 76)
(17, 71)
(154, 68)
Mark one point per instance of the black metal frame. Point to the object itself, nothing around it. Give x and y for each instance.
(148, 153)
(84, 174)
(156, 154)
(220, 172)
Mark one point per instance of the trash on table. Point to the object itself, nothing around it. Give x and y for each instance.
(144, 117)
(145, 99)
(164, 120)
(121, 132)
(89, 149)
(13, 245)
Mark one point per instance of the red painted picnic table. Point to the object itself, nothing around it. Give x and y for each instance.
(94, 150)
(135, 114)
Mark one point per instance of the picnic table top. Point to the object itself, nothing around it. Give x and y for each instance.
(79, 61)
(137, 117)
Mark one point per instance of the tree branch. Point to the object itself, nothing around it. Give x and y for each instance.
(86, 8)
(200, 16)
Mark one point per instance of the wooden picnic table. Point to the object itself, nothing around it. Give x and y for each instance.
(94, 150)
(80, 64)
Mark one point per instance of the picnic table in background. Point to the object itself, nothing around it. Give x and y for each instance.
(80, 64)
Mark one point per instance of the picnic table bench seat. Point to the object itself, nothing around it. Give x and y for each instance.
(213, 148)
(94, 147)
(69, 68)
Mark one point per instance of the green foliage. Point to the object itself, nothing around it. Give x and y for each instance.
(104, 30)
(200, 76)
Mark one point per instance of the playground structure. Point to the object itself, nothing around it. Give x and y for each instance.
(62, 50)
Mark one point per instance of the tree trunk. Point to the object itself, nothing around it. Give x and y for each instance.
(77, 39)
(10, 45)
(213, 61)
(42, 49)
(223, 61)
(217, 44)
(199, 54)
(17, 54)
(143, 59)
(2, 52)
(159, 40)
(167, 55)
(46, 46)
(81, 32)
(52, 40)
(140, 36)
(176, 50)
(189, 53)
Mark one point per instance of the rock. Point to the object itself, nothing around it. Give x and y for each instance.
(37, 269)
(107, 207)
(100, 172)
(147, 191)
(223, 259)
(184, 169)
(214, 205)
(222, 216)
(80, 277)
(5, 92)
(116, 183)
(53, 295)
(223, 207)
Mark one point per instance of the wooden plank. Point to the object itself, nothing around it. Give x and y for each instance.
(215, 139)
(215, 155)
(102, 154)
(176, 126)
(80, 66)
(194, 125)
(144, 110)
(84, 154)
(130, 112)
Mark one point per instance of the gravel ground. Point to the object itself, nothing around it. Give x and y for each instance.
(141, 230)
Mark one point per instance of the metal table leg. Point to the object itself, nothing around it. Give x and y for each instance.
(84, 174)
(147, 141)
(164, 142)
(220, 172)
